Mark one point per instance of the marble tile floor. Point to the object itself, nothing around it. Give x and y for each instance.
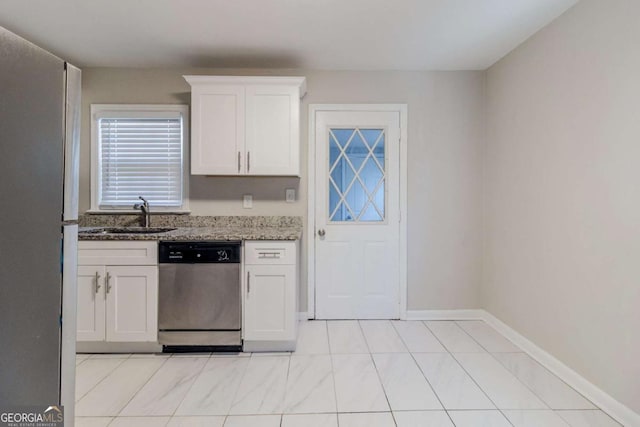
(344, 373)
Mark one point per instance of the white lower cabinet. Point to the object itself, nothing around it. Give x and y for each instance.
(90, 318)
(132, 303)
(117, 303)
(270, 296)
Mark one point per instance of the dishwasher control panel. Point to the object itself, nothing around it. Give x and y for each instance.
(199, 252)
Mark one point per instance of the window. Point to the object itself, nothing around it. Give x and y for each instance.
(356, 175)
(139, 150)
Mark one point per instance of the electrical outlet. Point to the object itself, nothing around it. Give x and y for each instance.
(247, 201)
(290, 195)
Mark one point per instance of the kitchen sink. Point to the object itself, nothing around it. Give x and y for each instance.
(129, 230)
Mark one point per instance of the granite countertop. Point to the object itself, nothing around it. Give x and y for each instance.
(200, 234)
(194, 228)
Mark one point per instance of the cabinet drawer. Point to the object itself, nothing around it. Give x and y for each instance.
(117, 253)
(270, 252)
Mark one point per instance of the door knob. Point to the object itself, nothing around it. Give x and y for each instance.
(321, 233)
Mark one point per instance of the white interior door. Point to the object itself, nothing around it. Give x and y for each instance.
(357, 214)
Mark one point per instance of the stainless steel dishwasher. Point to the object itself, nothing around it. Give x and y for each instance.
(199, 296)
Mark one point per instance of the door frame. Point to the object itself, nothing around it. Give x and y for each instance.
(311, 214)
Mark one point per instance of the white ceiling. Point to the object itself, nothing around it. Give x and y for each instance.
(313, 34)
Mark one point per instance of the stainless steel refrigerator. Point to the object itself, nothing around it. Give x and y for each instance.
(39, 158)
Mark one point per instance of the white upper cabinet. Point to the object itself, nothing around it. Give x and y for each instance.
(272, 138)
(245, 125)
(217, 129)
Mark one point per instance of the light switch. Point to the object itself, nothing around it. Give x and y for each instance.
(247, 201)
(290, 195)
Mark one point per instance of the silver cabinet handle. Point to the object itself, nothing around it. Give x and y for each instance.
(248, 161)
(107, 285)
(248, 283)
(239, 156)
(97, 284)
(321, 232)
(268, 255)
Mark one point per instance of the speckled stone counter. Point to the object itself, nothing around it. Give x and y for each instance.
(196, 228)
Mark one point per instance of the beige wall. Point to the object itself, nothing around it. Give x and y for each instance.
(562, 218)
(445, 140)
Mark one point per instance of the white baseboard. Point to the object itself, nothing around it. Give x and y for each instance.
(445, 314)
(118, 347)
(303, 315)
(604, 401)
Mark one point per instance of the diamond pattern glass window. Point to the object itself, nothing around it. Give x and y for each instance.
(356, 175)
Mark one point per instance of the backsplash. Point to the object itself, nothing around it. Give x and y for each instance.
(160, 220)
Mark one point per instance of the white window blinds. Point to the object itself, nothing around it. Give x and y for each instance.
(140, 156)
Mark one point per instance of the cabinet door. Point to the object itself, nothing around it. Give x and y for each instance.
(270, 303)
(132, 303)
(272, 130)
(90, 318)
(217, 130)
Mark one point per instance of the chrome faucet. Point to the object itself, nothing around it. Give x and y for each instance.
(144, 208)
